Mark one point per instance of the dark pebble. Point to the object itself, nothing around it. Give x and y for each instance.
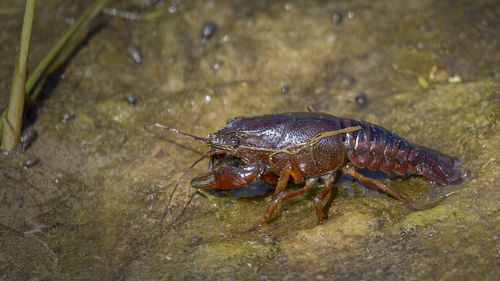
(361, 99)
(68, 116)
(130, 98)
(30, 162)
(337, 18)
(208, 30)
(27, 137)
(135, 52)
(285, 89)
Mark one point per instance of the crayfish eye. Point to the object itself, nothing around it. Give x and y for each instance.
(235, 141)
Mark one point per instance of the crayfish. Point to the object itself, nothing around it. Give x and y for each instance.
(308, 147)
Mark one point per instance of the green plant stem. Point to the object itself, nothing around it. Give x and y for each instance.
(42, 67)
(85, 19)
(11, 130)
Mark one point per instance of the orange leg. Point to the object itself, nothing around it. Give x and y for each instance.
(282, 181)
(351, 170)
(328, 179)
(282, 196)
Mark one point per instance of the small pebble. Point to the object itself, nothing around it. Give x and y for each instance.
(407, 230)
(268, 240)
(208, 30)
(27, 137)
(130, 98)
(195, 241)
(32, 161)
(361, 99)
(285, 89)
(207, 99)
(68, 116)
(135, 52)
(337, 18)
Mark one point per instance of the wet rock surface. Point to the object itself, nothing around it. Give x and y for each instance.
(94, 206)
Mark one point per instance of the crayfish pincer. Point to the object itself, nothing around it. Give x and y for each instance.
(308, 147)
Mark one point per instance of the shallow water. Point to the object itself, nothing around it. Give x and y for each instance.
(94, 206)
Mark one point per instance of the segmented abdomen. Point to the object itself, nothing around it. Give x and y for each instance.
(376, 148)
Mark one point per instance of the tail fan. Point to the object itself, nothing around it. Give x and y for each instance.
(440, 168)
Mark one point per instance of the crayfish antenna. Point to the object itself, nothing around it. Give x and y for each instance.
(158, 125)
(210, 153)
